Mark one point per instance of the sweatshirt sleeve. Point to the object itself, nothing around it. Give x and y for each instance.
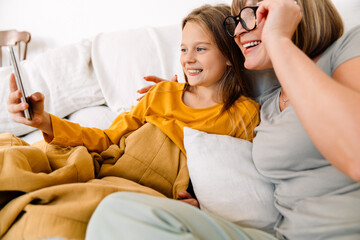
(67, 133)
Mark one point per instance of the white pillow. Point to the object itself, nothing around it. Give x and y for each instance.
(99, 117)
(64, 75)
(226, 182)
(122, 59)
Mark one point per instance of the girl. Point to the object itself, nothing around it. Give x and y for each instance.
(213, 95)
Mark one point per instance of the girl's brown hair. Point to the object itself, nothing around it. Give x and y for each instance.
(232, 84)
(320, 26)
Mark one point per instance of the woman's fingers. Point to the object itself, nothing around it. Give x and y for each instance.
(174, 78)
(261, 13)
(154, 79)
(145, 89)
(282, 18)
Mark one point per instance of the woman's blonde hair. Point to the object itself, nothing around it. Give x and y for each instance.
(320, 26)
(210, 18)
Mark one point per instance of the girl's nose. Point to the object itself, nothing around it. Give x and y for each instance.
(190, 57)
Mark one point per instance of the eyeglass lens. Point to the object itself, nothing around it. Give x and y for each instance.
(247, 20)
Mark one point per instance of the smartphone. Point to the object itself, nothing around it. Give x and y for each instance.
(18, 76)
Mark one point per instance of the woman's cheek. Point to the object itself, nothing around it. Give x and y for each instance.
(237, 41)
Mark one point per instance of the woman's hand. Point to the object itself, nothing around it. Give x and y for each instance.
(40, 118)
(154, 79)
(282, 19)
(187, 198)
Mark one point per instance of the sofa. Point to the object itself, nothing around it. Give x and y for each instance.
(90, 82)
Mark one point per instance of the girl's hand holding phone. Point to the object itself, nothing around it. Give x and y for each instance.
(40, 118)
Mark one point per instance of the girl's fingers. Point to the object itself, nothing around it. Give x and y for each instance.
(185, 195)
(192, 202)
(36, 97)
(16, 108)
(14, 97)
(20, 118)
(12, 83)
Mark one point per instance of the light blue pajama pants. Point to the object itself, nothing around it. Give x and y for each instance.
(134, 216)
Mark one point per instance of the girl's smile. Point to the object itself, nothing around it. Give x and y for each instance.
(202, 61)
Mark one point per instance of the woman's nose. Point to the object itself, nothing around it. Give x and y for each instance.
(239, 29)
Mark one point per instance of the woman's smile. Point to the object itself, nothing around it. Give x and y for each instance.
(250, 45)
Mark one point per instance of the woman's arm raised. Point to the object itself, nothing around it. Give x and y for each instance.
(328, 107)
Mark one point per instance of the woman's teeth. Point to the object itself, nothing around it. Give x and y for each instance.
(194, 71)
(251, 44)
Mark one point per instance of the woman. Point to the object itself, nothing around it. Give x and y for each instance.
(308, 137)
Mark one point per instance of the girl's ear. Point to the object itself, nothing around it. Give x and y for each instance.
(228, 63)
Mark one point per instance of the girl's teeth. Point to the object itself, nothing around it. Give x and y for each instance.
(251, 44)
(194, 71)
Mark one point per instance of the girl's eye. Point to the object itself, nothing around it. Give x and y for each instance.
(199, 49)
(183, 50)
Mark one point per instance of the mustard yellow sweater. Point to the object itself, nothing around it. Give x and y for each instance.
(163, 107)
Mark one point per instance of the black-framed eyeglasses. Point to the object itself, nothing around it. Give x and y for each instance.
(247, 18)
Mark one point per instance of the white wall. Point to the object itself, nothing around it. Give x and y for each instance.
(350, 11)
(57, 22)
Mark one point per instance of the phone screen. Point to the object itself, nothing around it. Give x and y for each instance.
(19, 83)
